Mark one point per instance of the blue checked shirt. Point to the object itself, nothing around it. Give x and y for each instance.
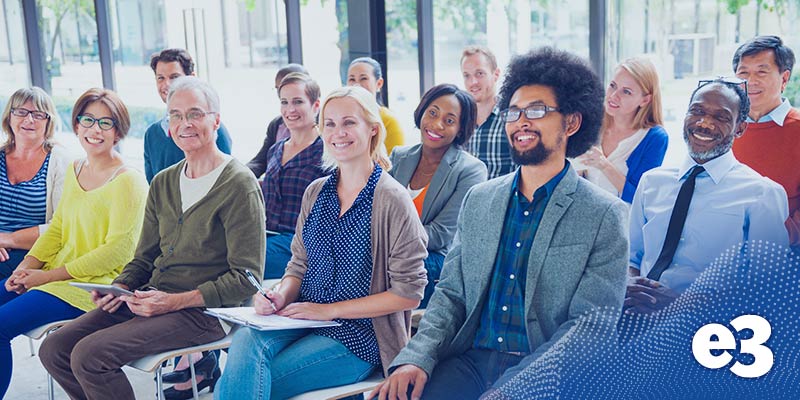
(490, 145)
(502, 325)
(284, 185)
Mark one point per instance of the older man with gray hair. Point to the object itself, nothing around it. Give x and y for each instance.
(202, 231)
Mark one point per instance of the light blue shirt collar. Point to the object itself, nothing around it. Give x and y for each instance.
(778, 114)
(716, 168)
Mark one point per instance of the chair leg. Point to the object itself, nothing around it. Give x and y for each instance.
(194, 377)
(51, 392)
(30, 346)
(159, 383)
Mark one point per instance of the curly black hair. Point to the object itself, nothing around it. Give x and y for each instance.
(744, 101)
(469, 110)
(577, 88)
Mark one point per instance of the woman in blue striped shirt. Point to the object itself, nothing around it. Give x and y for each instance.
(32, 170)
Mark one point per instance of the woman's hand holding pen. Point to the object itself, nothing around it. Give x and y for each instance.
(269, 306)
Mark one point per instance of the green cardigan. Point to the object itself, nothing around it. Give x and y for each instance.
(209, 246)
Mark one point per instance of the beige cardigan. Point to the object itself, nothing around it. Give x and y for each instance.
(398, 250)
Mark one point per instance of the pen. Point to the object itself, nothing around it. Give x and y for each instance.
(258, 286)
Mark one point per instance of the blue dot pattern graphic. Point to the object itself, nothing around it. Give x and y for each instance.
(340, 262)
(608, 355)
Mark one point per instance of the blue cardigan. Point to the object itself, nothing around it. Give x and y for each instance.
(647, 155)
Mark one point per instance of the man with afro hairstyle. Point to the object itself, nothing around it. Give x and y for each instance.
(533, 250)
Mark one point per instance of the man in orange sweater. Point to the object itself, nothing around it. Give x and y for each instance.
(771, 142)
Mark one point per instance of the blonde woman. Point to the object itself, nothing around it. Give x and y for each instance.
(32, 170)
(92, 235)
(357, 258)
(632, 138)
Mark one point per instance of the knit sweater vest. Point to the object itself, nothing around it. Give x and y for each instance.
(774, 151)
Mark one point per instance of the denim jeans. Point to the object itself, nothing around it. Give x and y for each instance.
(15, 257)
(21, 313)
(279, 252)
(265, 365)
(468, 375)
(433, 265)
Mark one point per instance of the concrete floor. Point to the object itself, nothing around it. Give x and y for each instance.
(29, 378)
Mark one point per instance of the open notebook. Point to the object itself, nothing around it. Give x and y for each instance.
(247, 316)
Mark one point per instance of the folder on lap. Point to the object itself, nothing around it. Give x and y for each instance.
(247, 316)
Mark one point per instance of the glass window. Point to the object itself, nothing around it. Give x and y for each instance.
(138, 29)
(72, 63)
(689, 40)
(403, 64)
(324, 28)
(507, 28)
(236, 46)
(13, 56)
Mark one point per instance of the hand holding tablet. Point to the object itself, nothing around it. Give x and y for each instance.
(102, 289)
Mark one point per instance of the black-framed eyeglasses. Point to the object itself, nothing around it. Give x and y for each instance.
(23, 113)
(104, 123)
(191, 116)
(728, 80)
(534, 111)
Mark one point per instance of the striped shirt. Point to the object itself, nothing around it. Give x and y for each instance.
(24, 204)
(284, 185)
(490, 145)
(502, 324)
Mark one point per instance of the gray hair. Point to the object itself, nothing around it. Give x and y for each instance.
(193, 83)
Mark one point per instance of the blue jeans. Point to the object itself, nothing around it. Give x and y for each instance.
(15, 257)
(281, 364)
(21, 313)
(433, 265)
(468, 375)
(279, 252)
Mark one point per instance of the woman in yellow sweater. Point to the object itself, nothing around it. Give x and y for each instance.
(92, 235)
(367, 73)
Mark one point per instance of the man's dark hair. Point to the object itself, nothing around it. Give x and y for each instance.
(469, 111)
(180, 56)
(784, 56)
(744, 101)
(576, 87)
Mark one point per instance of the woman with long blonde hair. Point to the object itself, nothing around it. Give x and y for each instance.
(632, 138)
(357, 259)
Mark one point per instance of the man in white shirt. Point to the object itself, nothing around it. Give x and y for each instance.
(683, 218)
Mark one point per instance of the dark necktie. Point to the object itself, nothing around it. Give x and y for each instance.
(675, 227)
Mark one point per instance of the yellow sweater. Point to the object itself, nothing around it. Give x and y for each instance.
(93, 234)
(394, 132)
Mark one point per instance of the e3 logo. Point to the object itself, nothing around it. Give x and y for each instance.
(702, 345)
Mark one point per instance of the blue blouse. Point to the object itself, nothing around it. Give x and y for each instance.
(24, 204)
(340, 262)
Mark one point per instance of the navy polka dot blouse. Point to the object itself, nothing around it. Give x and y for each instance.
(340, 262)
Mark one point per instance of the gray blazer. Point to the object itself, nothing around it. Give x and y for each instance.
(457, 172)
(578, 261)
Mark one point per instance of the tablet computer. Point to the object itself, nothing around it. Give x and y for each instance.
(102, 289)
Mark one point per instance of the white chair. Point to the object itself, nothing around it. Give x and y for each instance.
(340, 392)
(155, 362)
(39, 333)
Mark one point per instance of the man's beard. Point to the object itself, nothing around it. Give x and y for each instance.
(716, 151)
(535, 156)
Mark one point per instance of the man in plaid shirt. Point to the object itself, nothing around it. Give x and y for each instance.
(489, 143)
